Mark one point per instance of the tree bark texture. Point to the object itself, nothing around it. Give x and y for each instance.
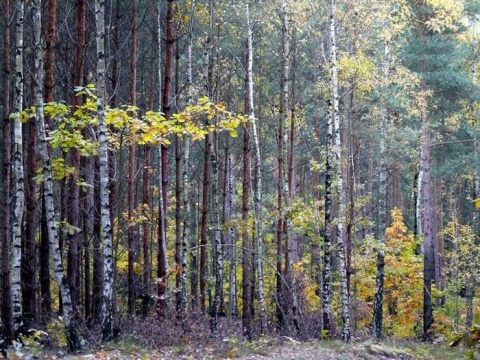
(106, 235)
(18, 173)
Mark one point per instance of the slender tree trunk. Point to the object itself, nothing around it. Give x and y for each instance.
(73, 188)
(246, 256)
(29, 246)
(88, 216)
(327, 242)
(97, 266)
(18, 175)
(131, 164)
(204, 225)
(44, 272)
(6, 323)
(230, 236)
(29, 263)
(337, 150)
(185, 183)
(180, 270)
(162, 260)
(471, 280)
(257, 197)
(382, 205)
(72, 336)
(187, 238)
(427, 201)
(106, 236)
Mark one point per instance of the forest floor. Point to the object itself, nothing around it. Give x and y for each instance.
(278, 349)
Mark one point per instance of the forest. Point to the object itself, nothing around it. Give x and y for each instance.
(295, 168)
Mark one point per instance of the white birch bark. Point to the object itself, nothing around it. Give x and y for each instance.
(337, 150)
(257, 201)
(418, 205)
(327, 243)
(18, 175)
(382, 204)
(68, 313)
(107, 304)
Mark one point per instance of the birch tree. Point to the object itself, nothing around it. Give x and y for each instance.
(6, 189)
(18, 175)
(106, 236)
(257, 197)
(72, 335)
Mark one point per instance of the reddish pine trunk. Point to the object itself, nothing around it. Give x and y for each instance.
(73, 218)
(162, 266)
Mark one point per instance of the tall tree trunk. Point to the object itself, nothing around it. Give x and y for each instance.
(72, 336)
(204, 225)
(257, 197)
(471, 280)
(18, 175)
(246, 256)
(281, 164)
(180, 270)
(162, 257)
(327, 242)
(106, 236)
(44, 272)
(131, 164)
(6, 313)
(73, 188)
(382, 204)
(185, 183)
(427, 201)
(337, 150)
(187, 238)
